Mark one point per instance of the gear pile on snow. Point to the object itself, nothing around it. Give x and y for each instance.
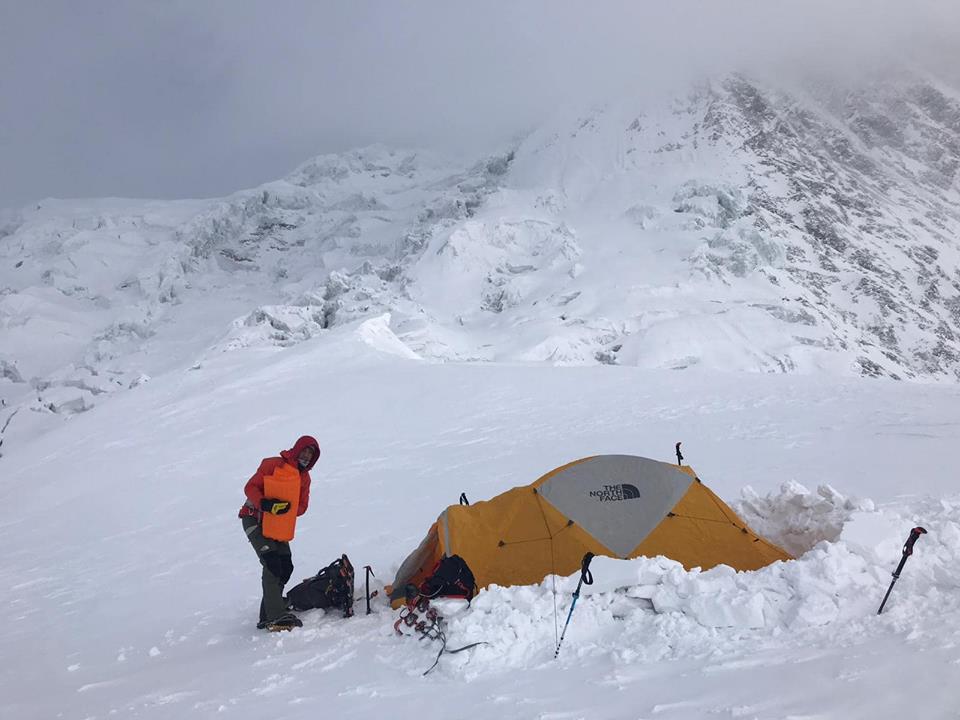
(421, 619)
(332, 586)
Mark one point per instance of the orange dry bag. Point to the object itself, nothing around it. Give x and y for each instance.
(282, 484)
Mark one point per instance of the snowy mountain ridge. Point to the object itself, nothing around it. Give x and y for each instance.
(740, 226)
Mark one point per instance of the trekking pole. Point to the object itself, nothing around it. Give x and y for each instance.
(367, 580)
(907, 552)
(585, 577)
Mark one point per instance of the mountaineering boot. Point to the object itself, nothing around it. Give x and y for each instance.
(287, 621)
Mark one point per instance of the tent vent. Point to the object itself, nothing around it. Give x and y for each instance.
(569, 523)
(463, 499)
(671, 514)
(501, 543)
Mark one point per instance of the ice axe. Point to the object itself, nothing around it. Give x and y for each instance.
(586, 577)
(367, 580)
(907, 552)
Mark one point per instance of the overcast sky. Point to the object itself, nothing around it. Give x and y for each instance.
(194, 98)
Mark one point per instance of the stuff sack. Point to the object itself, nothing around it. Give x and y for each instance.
(451, 577)
(282, 484)
(331, 587)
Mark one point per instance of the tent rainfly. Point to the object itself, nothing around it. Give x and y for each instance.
(616, 505)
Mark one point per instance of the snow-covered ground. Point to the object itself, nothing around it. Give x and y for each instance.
(721, 268)
(131, 591)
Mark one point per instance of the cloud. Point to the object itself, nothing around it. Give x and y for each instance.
(180, 98)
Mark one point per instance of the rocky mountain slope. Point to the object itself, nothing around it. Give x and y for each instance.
(741, 225)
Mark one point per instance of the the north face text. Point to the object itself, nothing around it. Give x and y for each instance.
(615, 493)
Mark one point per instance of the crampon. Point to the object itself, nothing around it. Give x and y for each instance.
(421, 619)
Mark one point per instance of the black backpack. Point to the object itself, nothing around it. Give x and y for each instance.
(451, 577)
(331, 587)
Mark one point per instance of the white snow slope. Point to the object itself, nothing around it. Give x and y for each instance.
(131, 591)
(722, 268)
(738, 226)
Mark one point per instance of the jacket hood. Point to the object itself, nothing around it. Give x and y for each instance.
(305, 441)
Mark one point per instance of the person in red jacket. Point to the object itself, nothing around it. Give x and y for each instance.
(269, 531)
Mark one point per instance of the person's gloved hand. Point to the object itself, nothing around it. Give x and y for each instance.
(275, 507)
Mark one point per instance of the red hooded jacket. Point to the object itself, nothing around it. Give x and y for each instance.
(254, 487)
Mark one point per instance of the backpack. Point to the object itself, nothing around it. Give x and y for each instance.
(331, 587)
(451, 577)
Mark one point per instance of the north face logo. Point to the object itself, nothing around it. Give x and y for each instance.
(613, 493)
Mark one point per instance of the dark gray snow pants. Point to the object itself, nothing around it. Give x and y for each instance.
(274, 556)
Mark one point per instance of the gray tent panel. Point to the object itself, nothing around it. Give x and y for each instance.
(619, 499)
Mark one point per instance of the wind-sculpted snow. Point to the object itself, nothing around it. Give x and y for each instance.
(797, 519)
(650, 609)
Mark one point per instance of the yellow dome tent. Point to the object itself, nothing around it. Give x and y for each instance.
(617, 505)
